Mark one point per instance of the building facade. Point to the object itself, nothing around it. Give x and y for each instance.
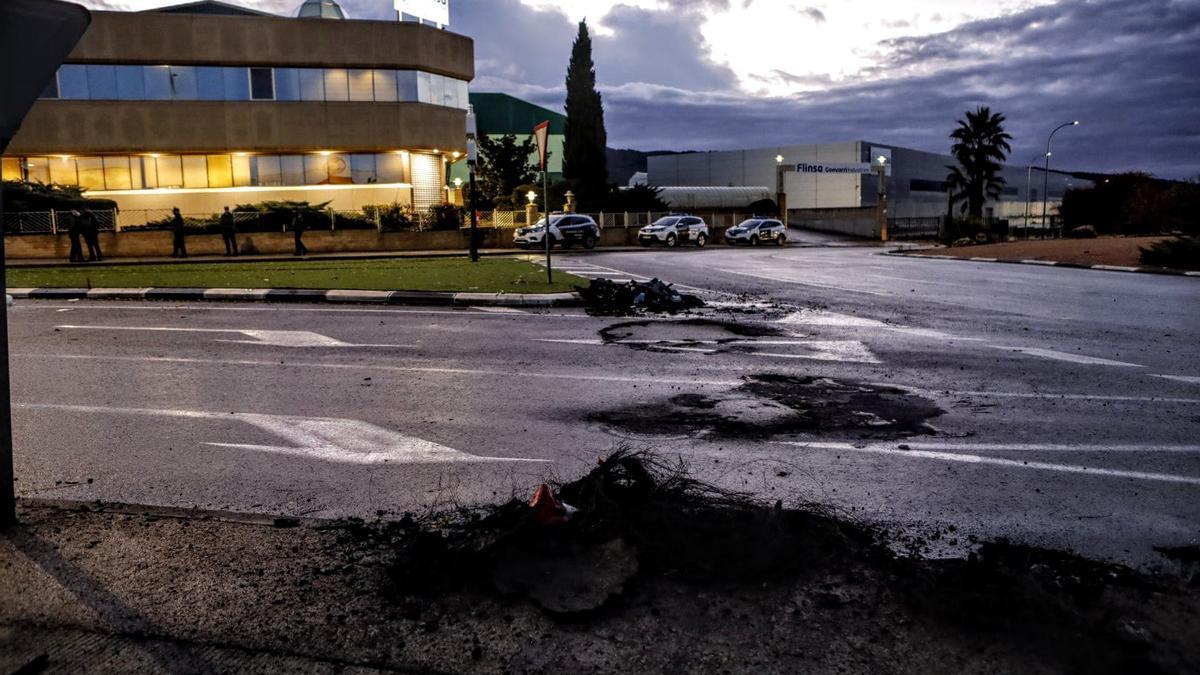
(830, 176)
(200, 109)
(502, 114)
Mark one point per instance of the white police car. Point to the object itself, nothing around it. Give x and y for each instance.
(674, 230)
(757, 231)
(566, 229)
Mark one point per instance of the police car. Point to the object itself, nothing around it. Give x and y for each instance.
(757, 231)
(566, 229)
(674, 230)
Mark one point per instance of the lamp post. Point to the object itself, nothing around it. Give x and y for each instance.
(570, 205)
(1046, 177)
(881, 167)
(780, 195)
(472, 156)
(1028, 177)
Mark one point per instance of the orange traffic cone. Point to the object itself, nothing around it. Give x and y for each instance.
(548, 509)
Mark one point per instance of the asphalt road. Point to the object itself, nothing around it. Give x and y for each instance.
(1066, 403)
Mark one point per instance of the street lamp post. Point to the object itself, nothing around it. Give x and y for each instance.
(780, 195)
(1028, 178)
(472, 156)
(1046, 177)
(881, 167)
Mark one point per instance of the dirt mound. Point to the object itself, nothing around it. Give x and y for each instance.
(780, 405)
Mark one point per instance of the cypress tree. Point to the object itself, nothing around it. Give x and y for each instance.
(585, 161)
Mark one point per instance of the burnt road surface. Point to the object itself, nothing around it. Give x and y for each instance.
(1054, 406)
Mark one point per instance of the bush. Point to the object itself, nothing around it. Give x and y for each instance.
(22, 196)
(1179, 253)
(275, 216)
(392, 217)
(445, 217)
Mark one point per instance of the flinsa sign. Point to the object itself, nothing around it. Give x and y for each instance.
(437, 11)
(844, 167)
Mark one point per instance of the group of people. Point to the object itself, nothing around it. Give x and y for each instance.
(228, 234)
(84, 226)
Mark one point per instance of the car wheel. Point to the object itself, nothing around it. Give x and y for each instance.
(754, 240)
(671, 241)
(781, 239)
(589, 242)
(701, 240)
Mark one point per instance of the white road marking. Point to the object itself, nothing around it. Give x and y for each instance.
(326, 438)
(833, 319)
(382, 368)
(274, 338)
(1059, 396)
(291, 309)
(946, 455)
(500, 310)
(1067, 356)
(802, 283)
(1116, 268)
(1034, 261)
(1190, 379)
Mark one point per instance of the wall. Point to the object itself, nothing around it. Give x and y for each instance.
(857, 222)
(82, 127)
(196, 39)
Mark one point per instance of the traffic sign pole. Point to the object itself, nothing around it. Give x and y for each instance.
(542, 133)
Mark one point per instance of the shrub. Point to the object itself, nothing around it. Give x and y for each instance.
(392, 217)
(1178, 253)
(22, 196)
(445, 217)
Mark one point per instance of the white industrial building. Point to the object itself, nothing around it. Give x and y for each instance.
(834, 186)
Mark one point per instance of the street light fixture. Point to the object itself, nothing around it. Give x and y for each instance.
(780, 195)
(1028, 178)
(1046, 177)
(531, 196)
(881, 199)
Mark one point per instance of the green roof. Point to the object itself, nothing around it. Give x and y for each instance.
(504, 114)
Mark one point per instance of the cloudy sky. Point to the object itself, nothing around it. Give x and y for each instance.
(717, 74)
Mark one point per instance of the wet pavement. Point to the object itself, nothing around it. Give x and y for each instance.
(1058, 407)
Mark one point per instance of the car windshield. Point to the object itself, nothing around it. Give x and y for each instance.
(749, 224)
(557, 220)
(666, 221)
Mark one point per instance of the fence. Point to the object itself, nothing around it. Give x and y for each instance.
(928, 227)
(52, 222)
(606, 220)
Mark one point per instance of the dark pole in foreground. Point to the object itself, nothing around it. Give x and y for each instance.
(474, 217)
(546, 202)
(8, 505)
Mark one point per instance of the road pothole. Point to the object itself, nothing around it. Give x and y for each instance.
(779, 405)
(706, 335)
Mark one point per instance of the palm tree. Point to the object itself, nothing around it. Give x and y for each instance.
(980, 146)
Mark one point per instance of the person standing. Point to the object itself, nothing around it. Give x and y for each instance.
(178, 231)
(74, 231)
(91, 235)
(298, 233)
(229, 233)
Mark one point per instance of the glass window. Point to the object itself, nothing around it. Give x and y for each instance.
(316, 170)
(102, 82)
(37, 169)
(312, 84)
(237, 84)
(464, 94)
(183, 83)
(195, 171)
(72, 81)
(62, 171)
(406, 85)
(51, 90)
(262, 84)
(291, 170)
(362, 169)
(116, 173)
(91, 172)
(336, 85)
(170, 171)
(10, 168)
(220, 171)
(135, 172)
(210, 83)
(389, 167)
(337, 169)
(131, 84)
(385, 85)
(241, 170)
(424, 87)
(361, 86)
(264, 170)
(149, 171)
(287, 84)
(158, 82)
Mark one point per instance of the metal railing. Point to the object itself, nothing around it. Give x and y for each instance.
(53, 222)
(925, 227)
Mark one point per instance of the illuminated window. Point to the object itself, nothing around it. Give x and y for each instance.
(220, 171)
(195, 171)
(264, 170)
(362, 169)
(389, 167)
(241, 170)
(291, 170)
(149, 171)
(361, 86)
(116, 173)
(385, 85)
(62, 171)
(336, 85)
(91, 172)
(170, 171)
(37, 169)
(10, 169)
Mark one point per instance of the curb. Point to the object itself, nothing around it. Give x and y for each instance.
(423, 298)
(1053, 263)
